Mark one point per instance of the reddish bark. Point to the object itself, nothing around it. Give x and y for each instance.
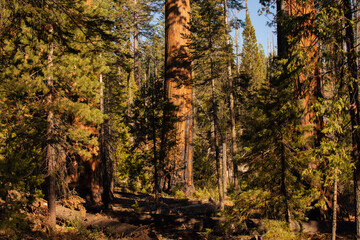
(178, 89)
(307, 85)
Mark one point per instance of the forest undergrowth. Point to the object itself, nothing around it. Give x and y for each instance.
(136, 216)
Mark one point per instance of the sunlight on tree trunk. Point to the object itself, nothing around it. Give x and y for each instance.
(178, 89)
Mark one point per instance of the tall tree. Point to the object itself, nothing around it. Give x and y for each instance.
(142, 11)
(50, 153)
(56, 67)
(178, 90)
(210, 56)
(252, 67)
(233, 148)
(353, 87)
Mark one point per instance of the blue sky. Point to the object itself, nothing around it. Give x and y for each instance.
(264, 33)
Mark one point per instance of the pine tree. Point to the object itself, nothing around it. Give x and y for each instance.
(58, 80)
(353, 89)
(210, 59)
(252, 67)
(142, 15)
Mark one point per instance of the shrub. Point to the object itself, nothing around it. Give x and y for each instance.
(277, 230)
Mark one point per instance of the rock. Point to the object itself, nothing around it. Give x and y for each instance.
(295, 226)
(120, 229)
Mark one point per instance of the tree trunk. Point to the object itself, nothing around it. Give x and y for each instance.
(334, 217)
(281, 32)
(237, 47)
(224, 168)
(136, 48)
(215, 137)
(105, 152)
(354, 107)
(178, 88)
(307, 85)
(233, 147)
(50, 156)
(283, 184)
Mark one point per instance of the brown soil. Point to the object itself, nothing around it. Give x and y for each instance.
(135, 216)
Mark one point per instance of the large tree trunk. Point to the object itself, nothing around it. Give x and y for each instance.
(283, 49)
(307, 84)
(50, 155)
(354, 107)
(178, 89)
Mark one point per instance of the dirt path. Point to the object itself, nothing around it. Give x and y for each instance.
(135, 216)
(174, 218)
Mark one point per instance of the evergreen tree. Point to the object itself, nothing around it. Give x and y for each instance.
(210, 67)
(178, 88)
(252, 67)
(44, 55)
(353, 88)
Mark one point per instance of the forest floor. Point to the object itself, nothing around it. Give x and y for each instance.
(135, 216)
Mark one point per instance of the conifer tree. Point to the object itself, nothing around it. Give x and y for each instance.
(233, 146)
(210, 66)
(178, 92)
(252, 67)
(60, 83)
(353, 89)
(142, 15)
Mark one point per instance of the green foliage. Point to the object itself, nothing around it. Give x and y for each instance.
(74, 223)
(28, 79)
(210, 54)
(179, 194)
(206, 193)
(275, 153)
(136, 207)
(277, 230)
(13, 220)
(202, 166)
(252, 67)
(274, 149)
(249, 203)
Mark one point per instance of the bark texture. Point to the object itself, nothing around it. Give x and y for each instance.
(178, 89)
(50, 157)
(307, 84)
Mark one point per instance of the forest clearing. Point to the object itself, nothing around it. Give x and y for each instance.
(150, 119)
